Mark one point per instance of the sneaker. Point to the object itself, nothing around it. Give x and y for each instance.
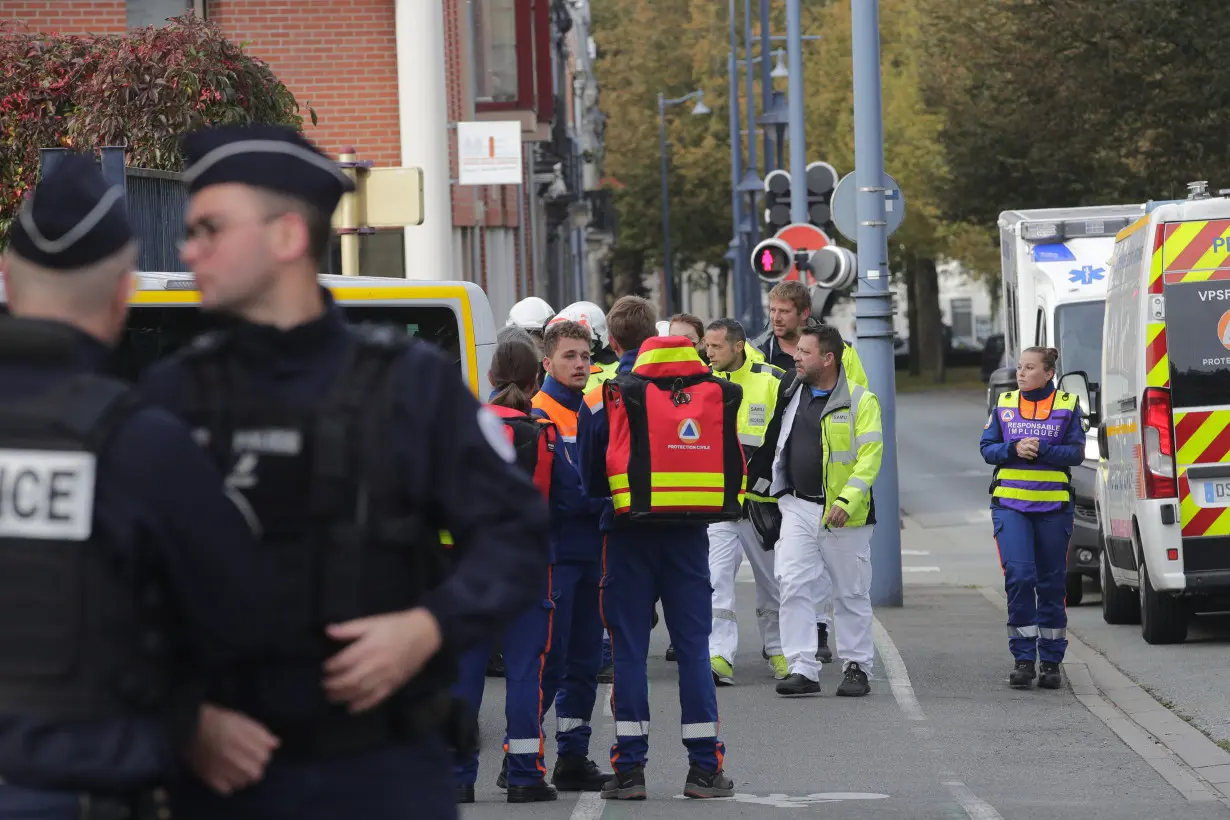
(465, 794)
(723, 672)
(854, 684)
(607, 674)
(540, 792)
(823, 653)
(1022, 675)
(702, 784)
(780, 668)
(670, 652)
(798, 685)
(578, 774)
(1049, 676)
(626, 785)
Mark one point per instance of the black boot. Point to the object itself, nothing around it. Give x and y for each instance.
(606, 674)
(465, 794)
(540, 792)
(1022, 675)
(501, 782)
(1049, 676)
(495, 664)
(626, 785)
(578, 774)
(670, 652)
(702, 784)
(823, 653)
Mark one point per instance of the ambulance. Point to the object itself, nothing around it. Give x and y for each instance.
(455, 316)
(1055, 263)
(1163, 484)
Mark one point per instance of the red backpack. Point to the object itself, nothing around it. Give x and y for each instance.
(534, 440)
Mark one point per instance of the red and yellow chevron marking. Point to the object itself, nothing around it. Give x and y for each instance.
(1157, 363)
(1196, 246)
(1201, 437)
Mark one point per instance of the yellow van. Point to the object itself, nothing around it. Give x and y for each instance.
(455, 316)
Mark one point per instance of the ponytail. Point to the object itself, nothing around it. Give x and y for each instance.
(514, 373)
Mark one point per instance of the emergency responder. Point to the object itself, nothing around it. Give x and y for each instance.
(730, 540)
(354, 447)
(691, 328)
(527, 638)
(531, 314)
(571, 677)
(1034, 438)
(820, 458)
(641, 563)
(145, 567)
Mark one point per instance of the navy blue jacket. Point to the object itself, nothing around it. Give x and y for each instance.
(154, 481)
(574, 515)
(1069, 453)
(447, 464)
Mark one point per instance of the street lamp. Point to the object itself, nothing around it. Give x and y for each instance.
(698, 110)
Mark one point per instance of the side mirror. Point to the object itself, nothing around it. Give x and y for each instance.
(1077, 383)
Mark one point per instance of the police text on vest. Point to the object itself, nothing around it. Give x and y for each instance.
(46, 494)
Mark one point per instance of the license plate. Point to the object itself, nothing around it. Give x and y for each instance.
(1215, 493)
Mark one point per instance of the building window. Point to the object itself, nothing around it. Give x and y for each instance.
(495, 50)
(963, 318)
(154, 12)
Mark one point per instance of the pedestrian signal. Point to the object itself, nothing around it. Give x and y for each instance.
(772, 260)
(834, 267)
(776, 201)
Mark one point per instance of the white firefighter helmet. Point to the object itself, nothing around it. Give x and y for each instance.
(589, 315)
(531, 313)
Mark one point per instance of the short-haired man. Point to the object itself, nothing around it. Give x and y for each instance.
(640, 563)
(820, 458)
(729, 541)
(571, 675)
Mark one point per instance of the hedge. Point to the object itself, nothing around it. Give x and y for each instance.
(142, 90)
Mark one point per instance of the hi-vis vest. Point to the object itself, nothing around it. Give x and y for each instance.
(760, 382)
(534, 441)
(674, 452)
(1030, 486)
(599, 373)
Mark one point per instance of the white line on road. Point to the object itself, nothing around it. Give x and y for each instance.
(920, 569)
(589, 807)
(975, 807)
(915, 552)
(898, 677)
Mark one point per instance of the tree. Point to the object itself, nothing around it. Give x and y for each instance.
(143, 89)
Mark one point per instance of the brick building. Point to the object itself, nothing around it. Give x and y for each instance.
(524, 60)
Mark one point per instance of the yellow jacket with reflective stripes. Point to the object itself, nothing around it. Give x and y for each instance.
(855, 446)
(760, 382)
(598, 373)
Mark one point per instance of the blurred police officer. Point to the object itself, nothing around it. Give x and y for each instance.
(354, 446)
(121, 560)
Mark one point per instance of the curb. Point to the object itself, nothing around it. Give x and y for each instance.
(1195, 766)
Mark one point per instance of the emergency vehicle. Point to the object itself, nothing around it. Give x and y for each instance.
(1055, 263)
(455, 316)
(1163, 487)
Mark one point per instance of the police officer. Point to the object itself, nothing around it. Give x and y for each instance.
(121, 559)
(729, 541)
(639, 564)
(353, 446)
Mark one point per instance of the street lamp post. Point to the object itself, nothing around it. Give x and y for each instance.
(698, 110)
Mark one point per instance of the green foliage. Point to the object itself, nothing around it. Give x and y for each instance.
(143, 90)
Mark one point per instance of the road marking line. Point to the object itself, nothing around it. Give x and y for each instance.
(920, 569)
(606, 700)
(915, 552)
(898, 677)
(974, 806)
(589, 807)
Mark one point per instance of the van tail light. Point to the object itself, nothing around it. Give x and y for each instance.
(1158, 450)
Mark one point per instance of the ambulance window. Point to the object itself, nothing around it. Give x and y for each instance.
(1198, 343)
(1040, 329)
(1078, 335)
(1010, 319)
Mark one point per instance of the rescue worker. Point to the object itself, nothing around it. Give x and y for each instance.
(571, 677)
(651, 560)
(145, 567)
(820, 459)
(691, 328)
(1034, 438)
(527, 638)
(531, 314)
(354, 447)
(729, 541)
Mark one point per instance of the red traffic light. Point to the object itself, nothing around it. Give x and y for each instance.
(772, 259)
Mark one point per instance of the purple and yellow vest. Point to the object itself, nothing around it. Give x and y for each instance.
(1030, 486)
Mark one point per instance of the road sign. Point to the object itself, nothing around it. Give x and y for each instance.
(845, 216)
(802, 237)
(489, 153)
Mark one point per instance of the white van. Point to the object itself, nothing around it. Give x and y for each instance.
(455, 316)
(1163, 485)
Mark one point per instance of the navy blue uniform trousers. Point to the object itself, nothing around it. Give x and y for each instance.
(571, 677)
(1033, 550)
(526, 643)
(639, 566)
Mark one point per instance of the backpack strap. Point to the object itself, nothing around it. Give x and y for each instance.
(548, 437)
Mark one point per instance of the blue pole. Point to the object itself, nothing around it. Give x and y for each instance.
(771, 160)
(798, 148)
(667, 268)
(752, 285)
(739, 270)
(875, 311)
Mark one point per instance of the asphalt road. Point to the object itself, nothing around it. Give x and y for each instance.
(941, 736)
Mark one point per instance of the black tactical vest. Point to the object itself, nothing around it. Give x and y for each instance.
(320, 479)
(82, 623)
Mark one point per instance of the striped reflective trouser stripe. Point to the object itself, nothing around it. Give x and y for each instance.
(1052, 634)
(1022, 631)
(632, 728)
(569, 724)
(524, 745)
(724, 615)
(694, 731)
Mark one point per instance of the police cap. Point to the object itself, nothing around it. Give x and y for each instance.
(273, 157)
(73, 218)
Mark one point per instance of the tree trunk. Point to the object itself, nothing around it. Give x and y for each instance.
(930, 330)
(911, 316)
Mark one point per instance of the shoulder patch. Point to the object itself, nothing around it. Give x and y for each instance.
(990, 419)
(492, 427)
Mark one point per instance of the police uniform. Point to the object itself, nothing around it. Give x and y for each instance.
(1031, 511)
(641, 563)
(122, 562)
(353, 447)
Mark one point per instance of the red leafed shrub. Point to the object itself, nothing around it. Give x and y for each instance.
(143, 90)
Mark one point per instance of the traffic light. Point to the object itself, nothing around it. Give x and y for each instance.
(834, 267)
(821, 181)
(772, 259)
(776, 201)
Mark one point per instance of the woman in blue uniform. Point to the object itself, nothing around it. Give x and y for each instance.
(1033, 437)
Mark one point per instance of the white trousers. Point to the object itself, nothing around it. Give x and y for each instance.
(729, 541)
(805, 552)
